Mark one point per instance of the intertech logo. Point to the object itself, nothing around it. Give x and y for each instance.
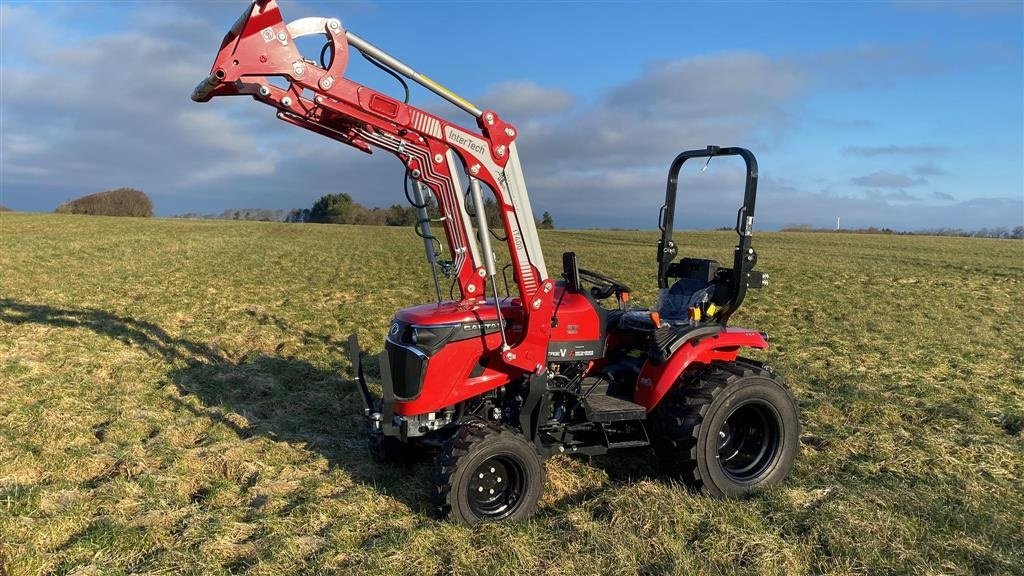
(470, 143)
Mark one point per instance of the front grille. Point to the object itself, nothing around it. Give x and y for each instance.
(408, 370)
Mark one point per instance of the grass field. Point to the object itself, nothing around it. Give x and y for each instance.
(169, 403)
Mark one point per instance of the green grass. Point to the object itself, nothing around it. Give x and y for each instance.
(169, 403)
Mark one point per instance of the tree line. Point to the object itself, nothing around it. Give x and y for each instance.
(328, 209)
(1015, 233)
(250, 214)
(342, 209)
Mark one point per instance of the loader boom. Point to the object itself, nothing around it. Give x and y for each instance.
(434, 151)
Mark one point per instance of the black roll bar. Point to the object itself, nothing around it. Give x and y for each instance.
(745, 256)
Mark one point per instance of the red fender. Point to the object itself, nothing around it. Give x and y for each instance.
(656, 380)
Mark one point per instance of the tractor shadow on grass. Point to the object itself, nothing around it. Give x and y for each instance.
(283, 398)
(288, 399)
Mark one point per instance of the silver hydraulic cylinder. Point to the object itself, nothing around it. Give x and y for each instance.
(484, 237)
(421, 194)
(481, 226)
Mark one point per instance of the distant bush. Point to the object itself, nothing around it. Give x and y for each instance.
(5, 208)
(120, 202)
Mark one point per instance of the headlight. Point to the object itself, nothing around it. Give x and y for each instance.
(431, 338)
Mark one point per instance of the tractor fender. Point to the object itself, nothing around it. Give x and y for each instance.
(656, 380)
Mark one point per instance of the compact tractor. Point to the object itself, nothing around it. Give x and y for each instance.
(563, 364)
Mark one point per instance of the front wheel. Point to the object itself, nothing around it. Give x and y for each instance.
(487, 472)
(728, 431)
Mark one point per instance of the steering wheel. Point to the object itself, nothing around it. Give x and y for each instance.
(603, 286)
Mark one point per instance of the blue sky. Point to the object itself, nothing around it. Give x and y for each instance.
(901, 114)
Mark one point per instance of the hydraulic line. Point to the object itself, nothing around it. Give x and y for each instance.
(420, 191)
(398, 66)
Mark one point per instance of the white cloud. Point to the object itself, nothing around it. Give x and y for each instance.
(907, 150)
(884, 179)
(114, 110)
(720, 99)
(520, 100)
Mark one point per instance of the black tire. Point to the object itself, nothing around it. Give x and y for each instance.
(728, 430)
(487, 472)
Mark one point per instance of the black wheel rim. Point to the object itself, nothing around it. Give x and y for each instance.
(749, 441)
(496, 487)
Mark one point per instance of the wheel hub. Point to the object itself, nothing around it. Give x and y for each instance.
(748, 441)
(495, 487)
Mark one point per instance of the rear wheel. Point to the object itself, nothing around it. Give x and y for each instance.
(487, 472)
(729, 430)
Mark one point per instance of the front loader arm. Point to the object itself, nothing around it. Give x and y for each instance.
(260, 46)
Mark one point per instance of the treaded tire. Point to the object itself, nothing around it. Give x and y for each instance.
(702, 425)
(464, 477)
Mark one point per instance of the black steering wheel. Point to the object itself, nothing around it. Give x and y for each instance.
(603, 286)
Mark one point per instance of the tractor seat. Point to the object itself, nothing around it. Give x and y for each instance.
(673, 307)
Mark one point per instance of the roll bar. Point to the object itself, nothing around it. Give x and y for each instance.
(745, 257)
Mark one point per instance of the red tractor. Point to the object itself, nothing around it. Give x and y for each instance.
(567, 365)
